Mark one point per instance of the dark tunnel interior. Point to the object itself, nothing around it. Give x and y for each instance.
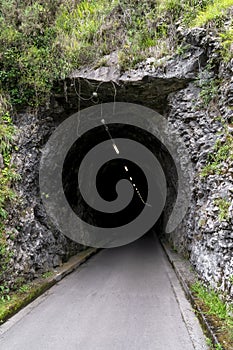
(113, 171)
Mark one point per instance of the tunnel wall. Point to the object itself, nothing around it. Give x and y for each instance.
(203, 236)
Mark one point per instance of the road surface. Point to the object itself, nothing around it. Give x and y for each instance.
(125, 298)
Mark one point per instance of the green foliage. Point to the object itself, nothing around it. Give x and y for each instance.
(4, 293)
(231, 279)
(47, 274)
(142, 32)
(222, 152)
(215, 10)
(29, 60)
(216, 306)
(209, 90)
(223, 206)
(8, 176)
(227, 44)
(149, 28)
(213, 346)
(24, 288)
(79, 33)
(211, 299)
(215, 13)
(43, 41)
(8, 173)
(183, 10)
(218, 347)
(182, 49)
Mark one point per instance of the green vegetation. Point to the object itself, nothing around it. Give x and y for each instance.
(215, 10)
(218, 347)
(144, 33)
(24, 288)
(44, 41)
(150, 28)
(209, 85)
(222, 153)
(212, 304)
(8, 173)
(212, 300)
(209, 90)
(227, 44)
(213, 346)
(13, 302)
(223, 206)
(215, 13)
(4, 293)
(47, 274)
(7, 177)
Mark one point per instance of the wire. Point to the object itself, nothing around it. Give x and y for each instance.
(125, 167)
(95, 94)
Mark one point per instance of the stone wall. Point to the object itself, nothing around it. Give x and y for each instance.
(35, 246)
(207, 238)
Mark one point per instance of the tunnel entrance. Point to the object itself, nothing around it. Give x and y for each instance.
(114, 171)
(89, 88)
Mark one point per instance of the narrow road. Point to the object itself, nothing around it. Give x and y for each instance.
(126, 298)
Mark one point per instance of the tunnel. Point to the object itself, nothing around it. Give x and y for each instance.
(112, 172)
(78, 93)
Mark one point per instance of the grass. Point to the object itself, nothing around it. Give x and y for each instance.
(17, 300)
(213, 11)
(223, 207)
(218, 311)
(8, 176)
(209, 90)
(79, 33)
(212, 300)
(43, 42)
(47, 274)
(227, 44)
(209, 86)
(4, 294)
(222, 153)
(11, 301)
(213, 346)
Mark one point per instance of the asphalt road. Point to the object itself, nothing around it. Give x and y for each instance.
(126, 298)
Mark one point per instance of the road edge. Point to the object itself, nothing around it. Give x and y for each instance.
(41, 285)
(187, 276)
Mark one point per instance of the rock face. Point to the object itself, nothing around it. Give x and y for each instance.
(172, 87)
(207, 239)
(34, 244)
(206, 236)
